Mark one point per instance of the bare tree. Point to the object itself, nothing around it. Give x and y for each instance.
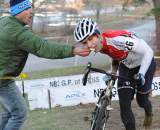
(125, 4)
(96, 6)
(33, 1)
(142, 1)
(35, 10)
(138, 2)
(1, 2)
(156, 41)
(156, 12)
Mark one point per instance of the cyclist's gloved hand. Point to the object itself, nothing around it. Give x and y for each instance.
(140, 79)
(106, 78)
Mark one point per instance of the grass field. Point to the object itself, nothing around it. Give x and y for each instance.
(72, 118)
(63, 71)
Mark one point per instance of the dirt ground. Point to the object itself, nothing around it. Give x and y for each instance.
(73, 118)
(115, 121)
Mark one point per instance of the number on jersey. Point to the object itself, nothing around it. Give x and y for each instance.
(129, 45)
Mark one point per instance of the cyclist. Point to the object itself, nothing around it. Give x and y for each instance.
(16, 42)
(132, 56)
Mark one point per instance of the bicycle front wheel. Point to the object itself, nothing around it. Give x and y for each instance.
(102, 114)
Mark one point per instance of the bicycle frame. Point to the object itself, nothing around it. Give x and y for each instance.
(103, 106)
(107, 92)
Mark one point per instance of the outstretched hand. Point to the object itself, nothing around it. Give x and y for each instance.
(81, 51)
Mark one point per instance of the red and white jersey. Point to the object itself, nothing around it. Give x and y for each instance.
(126, 47)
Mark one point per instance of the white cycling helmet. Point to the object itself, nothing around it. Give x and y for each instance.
(85, 28)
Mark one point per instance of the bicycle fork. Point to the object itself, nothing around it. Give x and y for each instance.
(108, 94)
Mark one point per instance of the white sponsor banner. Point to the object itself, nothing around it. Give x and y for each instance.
(156, 86)
(69, 91)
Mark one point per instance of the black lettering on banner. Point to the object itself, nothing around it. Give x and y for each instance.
(69, 82)
(129, 45)
(93, 80)
(76, 82)
(63, 83)
(155, 86)
(114, 91)
(54, 84)
(97, 92)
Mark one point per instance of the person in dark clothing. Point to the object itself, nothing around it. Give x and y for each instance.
(16, 42)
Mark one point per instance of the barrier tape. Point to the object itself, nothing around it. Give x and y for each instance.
(21, 76)
(7, 78)
(157, 57)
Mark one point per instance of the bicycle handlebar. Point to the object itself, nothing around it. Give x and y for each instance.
(89, 68)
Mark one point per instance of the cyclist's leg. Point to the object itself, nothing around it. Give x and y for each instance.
(126, 94)
(127, 116)
(144, 91)
(144, 102)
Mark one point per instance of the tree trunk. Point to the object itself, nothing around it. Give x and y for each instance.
(157, 20)
(125, 3)
(157, 38)
(33, 2)
(97, 14)
(157, 41)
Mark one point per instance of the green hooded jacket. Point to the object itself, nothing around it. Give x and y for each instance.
(17, 41)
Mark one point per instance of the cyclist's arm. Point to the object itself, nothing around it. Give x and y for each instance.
(147, 53)
(138, 46)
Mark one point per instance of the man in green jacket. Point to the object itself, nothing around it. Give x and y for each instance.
(16, 42)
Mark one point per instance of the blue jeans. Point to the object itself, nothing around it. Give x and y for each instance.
(15, 107)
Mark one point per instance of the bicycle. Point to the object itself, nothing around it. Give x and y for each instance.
(100, 114)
